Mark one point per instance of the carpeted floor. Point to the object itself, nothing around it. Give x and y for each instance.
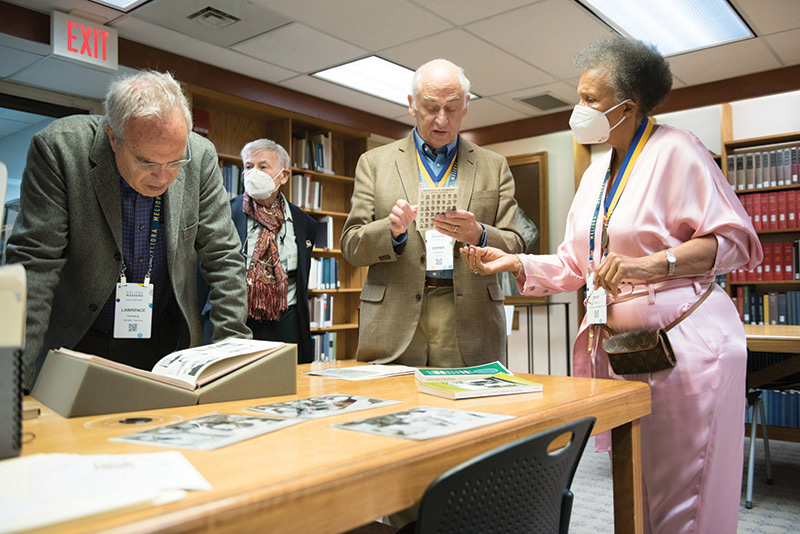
(776, 507)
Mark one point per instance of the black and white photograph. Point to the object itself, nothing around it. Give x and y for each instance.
(322, 406)
(209, 431)
(423, 422)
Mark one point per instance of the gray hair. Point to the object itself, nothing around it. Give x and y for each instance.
(416, 82)
(636, 70)
(270, 146)
(147, 93)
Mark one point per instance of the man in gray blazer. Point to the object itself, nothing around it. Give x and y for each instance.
(420, 304)
(114, 212)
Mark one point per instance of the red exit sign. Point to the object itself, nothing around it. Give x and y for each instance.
(83, 40)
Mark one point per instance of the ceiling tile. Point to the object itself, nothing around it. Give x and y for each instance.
(165, 39)
(486, 111)
(769, 16)
(464, 11)
(344, 96)
(547, 34)
(722, 62)
(300, 48)
(15, 60)
(490, 70)
(253, 19)
(561, 90)
(363, 22)
(785, 44)
(69, 78)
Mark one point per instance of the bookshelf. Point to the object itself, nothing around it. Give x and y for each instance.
(234, 121)
(768, 337)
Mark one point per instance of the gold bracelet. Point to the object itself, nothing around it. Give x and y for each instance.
(519, 266)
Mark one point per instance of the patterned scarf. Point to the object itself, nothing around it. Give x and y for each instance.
(267, 283)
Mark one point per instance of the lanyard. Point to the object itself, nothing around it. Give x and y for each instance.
(153, 235)
(434, 179)
(617, 186)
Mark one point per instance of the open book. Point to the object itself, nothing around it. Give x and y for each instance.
(191, 368)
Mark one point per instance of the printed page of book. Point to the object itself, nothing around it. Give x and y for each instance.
(208, 432)
(322, 406)
(423, 422)
(126, 368)
(365, 372)
(44, 489)
(200, 365)
(433, 201)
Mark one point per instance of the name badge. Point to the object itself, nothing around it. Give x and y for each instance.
(438, 251)
(133, 312)
(596, 307)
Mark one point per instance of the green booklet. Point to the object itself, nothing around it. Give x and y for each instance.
(460, 373)
(497, 384)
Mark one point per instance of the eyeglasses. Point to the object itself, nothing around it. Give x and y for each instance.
(171, 166)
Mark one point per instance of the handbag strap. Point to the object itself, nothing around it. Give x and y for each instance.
(688, 312)
(683, 316)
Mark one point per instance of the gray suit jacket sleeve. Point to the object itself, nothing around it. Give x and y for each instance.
(217, 245)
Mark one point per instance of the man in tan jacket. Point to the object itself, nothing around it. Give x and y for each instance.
(420, 304)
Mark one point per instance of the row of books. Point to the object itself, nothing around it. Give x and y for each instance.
(232, 180)
(781, 408)
(781, 262)
(777, 210)
(312, 151)
(767, 308)
(324, 347)
(320, 310)
(306, 193)
(324, 273)
(768, 168)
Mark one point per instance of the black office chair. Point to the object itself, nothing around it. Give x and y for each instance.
(518, 487)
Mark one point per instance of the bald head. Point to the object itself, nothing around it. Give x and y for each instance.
(438, 102)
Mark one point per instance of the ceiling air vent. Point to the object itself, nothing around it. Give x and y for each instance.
(213, 18)
(544, 102)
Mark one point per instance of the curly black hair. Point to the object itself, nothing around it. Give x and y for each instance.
(637, 70)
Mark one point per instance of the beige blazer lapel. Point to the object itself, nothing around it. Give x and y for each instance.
(467, 168)
(408, 170)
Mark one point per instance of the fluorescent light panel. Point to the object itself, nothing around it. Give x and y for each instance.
(673, 26)
(121, 5)
(375, 76)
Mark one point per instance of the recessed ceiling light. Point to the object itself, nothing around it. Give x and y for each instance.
(121, 5)
(673, 26)
(375, 76)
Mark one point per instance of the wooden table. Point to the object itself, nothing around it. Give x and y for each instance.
(313, 478)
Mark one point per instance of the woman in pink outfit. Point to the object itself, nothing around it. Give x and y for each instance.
(651, 224)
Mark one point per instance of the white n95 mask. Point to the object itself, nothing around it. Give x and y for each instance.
(258, 184)
(590, 126)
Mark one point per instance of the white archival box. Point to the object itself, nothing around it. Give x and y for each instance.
(12, 340)
(12, 289)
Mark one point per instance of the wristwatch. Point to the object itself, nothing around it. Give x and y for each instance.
(671, 261)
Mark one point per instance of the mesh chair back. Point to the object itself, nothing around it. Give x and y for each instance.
(518, 487)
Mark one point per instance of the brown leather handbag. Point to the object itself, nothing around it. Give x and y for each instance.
(644, 351)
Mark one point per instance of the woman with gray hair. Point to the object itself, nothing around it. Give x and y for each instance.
(651, 225)
(277, 238)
